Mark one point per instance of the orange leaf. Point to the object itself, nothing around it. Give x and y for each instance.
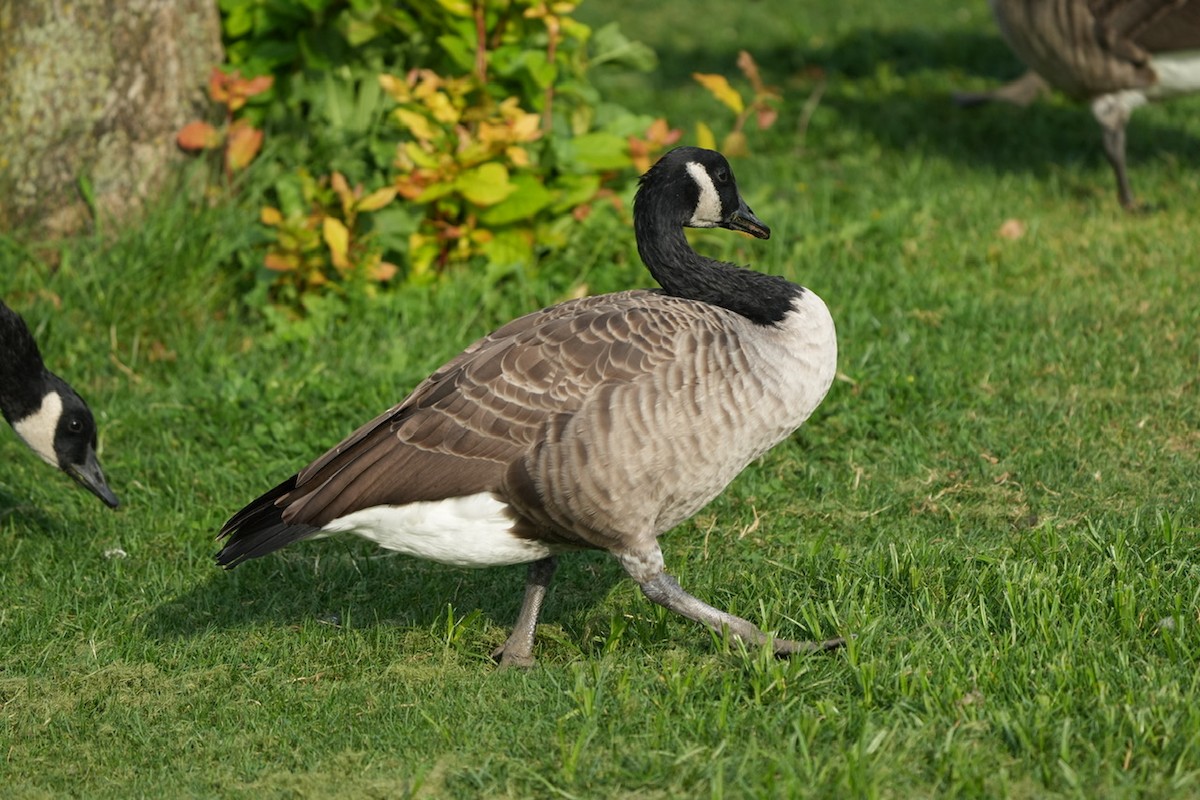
(662, 135)
(280, 262)
(198, 136)
(243, 145)
(746, 64)
(385, 271)
(639, 154)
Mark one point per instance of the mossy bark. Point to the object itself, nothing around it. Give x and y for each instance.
(96, 90)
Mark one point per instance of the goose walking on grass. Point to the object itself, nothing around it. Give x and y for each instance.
(44, 411)
(1115, 54)
(599, 423)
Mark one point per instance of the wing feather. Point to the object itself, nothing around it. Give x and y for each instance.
(461, 429)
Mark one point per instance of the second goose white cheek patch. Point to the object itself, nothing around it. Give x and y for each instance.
(38, 428)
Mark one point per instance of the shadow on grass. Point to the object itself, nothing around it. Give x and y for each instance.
(28, 515)
(354, 584)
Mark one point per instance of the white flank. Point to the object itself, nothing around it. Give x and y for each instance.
(37, 430)
(708, 207)
(471, 531)
(1178, 73)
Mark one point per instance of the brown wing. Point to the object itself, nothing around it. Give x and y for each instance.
(462, 427)
(1132, 29)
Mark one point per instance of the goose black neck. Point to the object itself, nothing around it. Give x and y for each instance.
(23, 376)
(682, 272)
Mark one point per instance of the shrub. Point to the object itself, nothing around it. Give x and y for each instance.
(444, 133)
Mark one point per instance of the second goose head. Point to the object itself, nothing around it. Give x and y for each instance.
(43, 409)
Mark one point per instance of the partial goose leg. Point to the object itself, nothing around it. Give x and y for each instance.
(1021, 92)
(517, 651)
(647, 569)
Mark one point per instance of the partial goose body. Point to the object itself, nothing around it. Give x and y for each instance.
(598, 423)
(46, 413)
(1115, 54)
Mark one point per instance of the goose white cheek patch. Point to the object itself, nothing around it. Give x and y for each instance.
(37, 430)
(708, 207)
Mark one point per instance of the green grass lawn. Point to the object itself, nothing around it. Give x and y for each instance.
(997, 498)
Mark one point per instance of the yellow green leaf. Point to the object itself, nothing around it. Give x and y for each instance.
(270, 216)
(720, 88)
(485, 185)
(460, 8)
(396, 87)
(705, 137)
(337, 237)
(416, 123)
(377, 199)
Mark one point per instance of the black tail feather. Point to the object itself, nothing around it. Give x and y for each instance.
(259, 528)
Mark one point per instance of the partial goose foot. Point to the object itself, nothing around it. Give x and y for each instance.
(787, 647)
(509, 656)
(1021, 92)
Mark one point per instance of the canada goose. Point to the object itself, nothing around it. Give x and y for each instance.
(44, 411)
(1115, 54)
(598, 423)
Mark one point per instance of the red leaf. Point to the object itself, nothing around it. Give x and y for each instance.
(257, 85)
(766, 116)
(198, 136)
(218, 85)
(244, 143)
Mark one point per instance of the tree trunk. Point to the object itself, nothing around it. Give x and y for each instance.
(93, 91)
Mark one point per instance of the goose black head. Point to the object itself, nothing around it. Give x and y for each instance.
(63, 432)
(695, 188)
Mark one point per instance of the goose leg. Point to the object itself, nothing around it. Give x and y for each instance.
(1112, 111)
(1114, 149)
(661, 588)
(517, 650)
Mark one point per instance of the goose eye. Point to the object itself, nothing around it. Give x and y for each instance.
(722, 175)
(75, 426)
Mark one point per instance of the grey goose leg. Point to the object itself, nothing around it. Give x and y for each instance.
(517, 650)
(1114, 149)
(661, 588)
(1112, 111)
